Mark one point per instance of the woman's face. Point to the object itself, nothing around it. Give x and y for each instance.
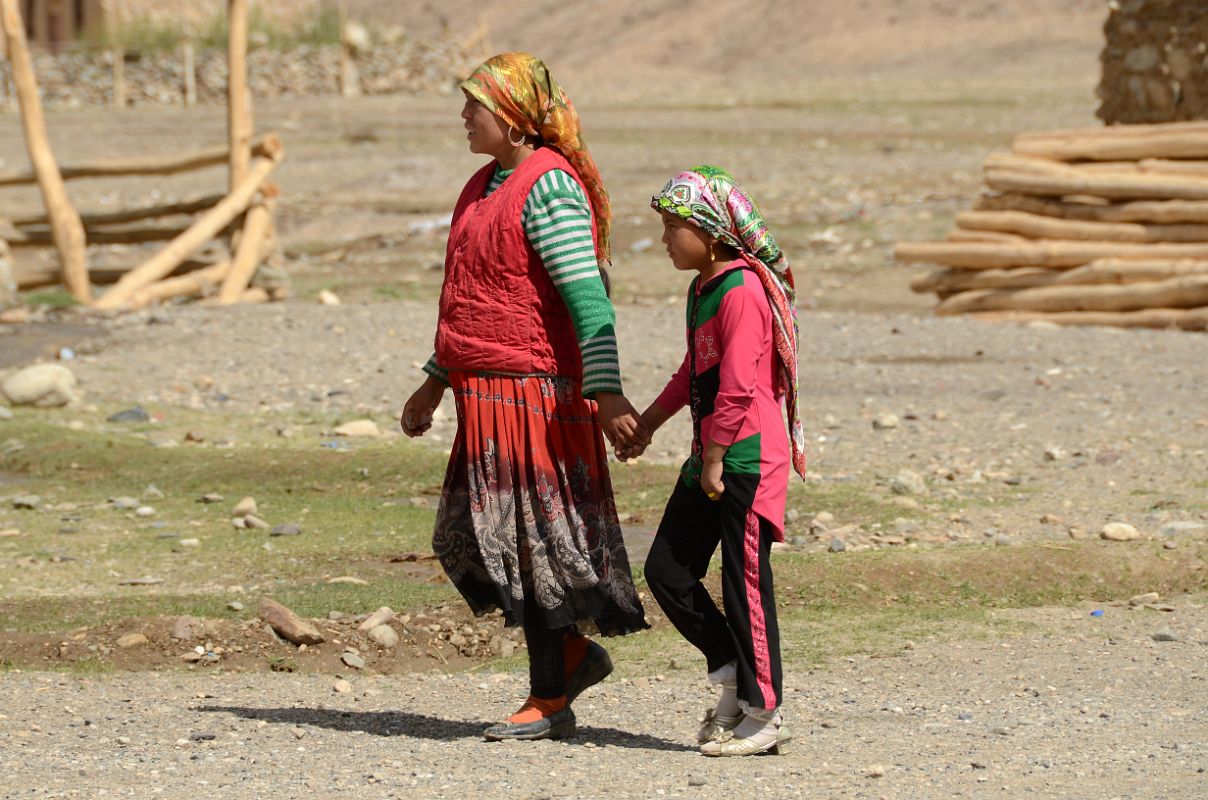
(487, 133)
(687, 244)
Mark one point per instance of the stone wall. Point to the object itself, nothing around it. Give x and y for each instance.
(1155, 62)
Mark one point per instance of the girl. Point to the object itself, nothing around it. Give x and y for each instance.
(525, 339)
(740, 366)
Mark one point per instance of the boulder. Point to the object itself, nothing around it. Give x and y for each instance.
(42, 385)
(288, 625)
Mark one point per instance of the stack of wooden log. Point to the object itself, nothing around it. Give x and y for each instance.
(1096, 226)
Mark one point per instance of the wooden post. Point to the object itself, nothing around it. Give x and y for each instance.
(247, 254)
(239, 112)
(350, 81)
(119, 76)
(64, 221)
(189, 68)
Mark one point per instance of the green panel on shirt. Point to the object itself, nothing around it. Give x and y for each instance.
(743, 456)
(711, 302)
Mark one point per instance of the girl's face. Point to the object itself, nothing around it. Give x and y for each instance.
(687, 244)
(486, 133)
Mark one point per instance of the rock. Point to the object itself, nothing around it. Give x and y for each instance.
(286, 529)
(1169, 545)
(359, 427)
(908, 482)
(289, 625)
(144, 511)
(42, 385)
(190, 542)
(235, 605)
(328, 298)
(353, 660)
(384, 636)
(1050, 519)
(27, 502)
(904, 502)
(136, 414)
(876, 771)
(1164, 635)
(884, 422)
(341, 686)
(124, 503)
(253, 521)
(380, 617)
(186, 629)
(697, 780)
(349, 579)
(211, 498)
(131, 640)
(1002, 540)
(244, 507)
(837, 545)
(1142, 599)
(1119, 532)
(1181, 527)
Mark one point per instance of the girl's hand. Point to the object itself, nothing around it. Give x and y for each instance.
(622, 425)
(710, 480)
(416, 418)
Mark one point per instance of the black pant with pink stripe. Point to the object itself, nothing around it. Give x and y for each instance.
(692, 527)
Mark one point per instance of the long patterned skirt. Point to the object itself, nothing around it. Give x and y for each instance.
(527, 507)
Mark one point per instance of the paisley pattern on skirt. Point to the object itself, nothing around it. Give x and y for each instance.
(527, 506)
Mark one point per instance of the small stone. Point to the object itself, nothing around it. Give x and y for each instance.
(253, 521)
(876, 771)
(131, 640)
(384, 636)
(1142, 599)
(1050, 519)
(299, 733)
(153, 491)
(1119, 532)
(328, 298)
(698, 780)
(187, 628)
(1164, 635)
(28, 502)
(908, 482)
(349, 579)
(1001, 731)
(235, 605)
(286, 529)
(353, 660)
(190, 542)
(359, 427)
(341, 686)
(1002, 540)
(124, 503)
(1054, 453)
(144, 511)
(1169, 545)
(837, 545)
(211, 498)
(380, 617)
(288, 624)
(136, 414)
(123, 740)
(5, 414)
(244, 507)
(884, 422)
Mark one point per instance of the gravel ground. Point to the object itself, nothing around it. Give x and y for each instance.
(1076, 707)
(1005, 425)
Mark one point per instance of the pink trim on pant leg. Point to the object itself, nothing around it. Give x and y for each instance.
(759, 631)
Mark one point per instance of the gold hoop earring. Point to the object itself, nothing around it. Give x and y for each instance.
(515, 144)
(712, 252)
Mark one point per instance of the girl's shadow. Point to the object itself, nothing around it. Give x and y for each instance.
(422, 726)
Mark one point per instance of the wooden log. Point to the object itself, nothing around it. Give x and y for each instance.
(41, 237)
(139, 165)
(1114, 131)
(1195, 319)
(1035, 226)
(1037, 253)
(1115, 186)
(247, 255)
(1159, 144)
(239, 112)
(119, 76)
(1161, 166)
(202, 230)
(961, 235)
(203, 281)
(350, 80)
(64, 221)
(189, 71)
(37, 276)
(1181, 292)
(98, 220)
(961, 280)
(1122, 271)
(1157, 212)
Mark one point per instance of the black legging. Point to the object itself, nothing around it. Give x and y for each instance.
(547, 664)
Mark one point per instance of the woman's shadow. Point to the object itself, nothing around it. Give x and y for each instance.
(422, 726)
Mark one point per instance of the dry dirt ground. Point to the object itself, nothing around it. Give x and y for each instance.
(1018, 433)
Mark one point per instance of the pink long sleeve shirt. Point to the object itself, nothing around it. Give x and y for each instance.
(735, 403)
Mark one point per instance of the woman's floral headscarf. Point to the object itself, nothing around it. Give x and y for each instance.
(519, 89)
(713, 200)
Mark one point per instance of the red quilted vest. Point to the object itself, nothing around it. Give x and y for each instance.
(499, 309)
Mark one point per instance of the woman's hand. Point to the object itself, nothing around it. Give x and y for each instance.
(620, 421)
(711, 468)
(417, 413)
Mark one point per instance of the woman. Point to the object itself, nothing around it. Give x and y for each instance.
(526, 341)
(740, 367)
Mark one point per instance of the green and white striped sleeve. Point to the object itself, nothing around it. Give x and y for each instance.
(557, 221)
(436, 370)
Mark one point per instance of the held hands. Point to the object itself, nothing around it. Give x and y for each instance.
(416, 418)
(622, 426)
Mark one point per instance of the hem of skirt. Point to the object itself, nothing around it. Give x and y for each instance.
(604, 626)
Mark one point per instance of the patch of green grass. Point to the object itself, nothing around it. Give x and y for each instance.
(54, 298)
